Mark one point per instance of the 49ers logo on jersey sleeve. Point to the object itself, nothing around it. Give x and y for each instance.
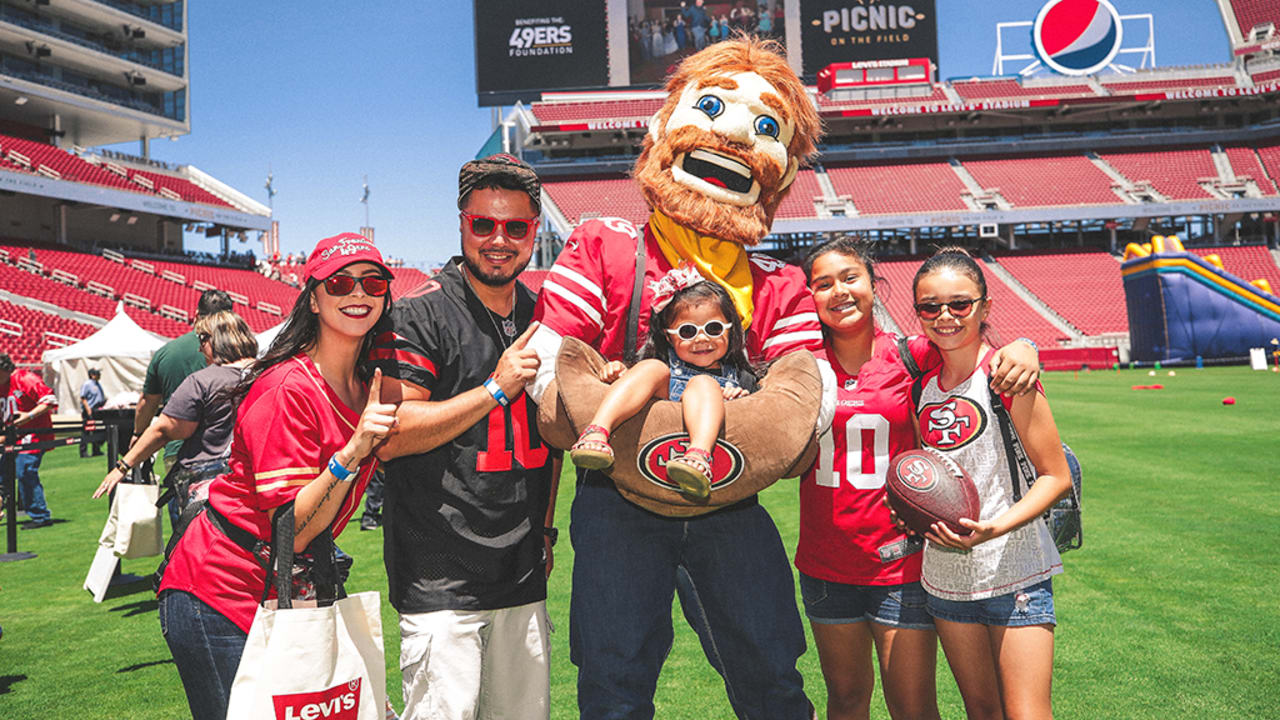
(952, 423)
(726, 460)
(340, 702)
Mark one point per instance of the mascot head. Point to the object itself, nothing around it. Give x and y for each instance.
(724, 148)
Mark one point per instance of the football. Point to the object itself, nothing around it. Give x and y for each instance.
(924, 486)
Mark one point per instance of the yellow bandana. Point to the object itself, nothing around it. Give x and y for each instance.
(722, 261)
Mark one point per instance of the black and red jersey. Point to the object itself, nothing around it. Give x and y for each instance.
(463, 522)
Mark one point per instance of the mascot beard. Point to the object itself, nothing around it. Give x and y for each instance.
(723, 150)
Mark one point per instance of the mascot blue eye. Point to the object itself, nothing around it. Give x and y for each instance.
(766, 125)
(711, 105)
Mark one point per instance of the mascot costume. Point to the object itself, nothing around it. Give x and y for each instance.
(719, 157)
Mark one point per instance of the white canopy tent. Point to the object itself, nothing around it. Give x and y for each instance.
(266, 337)
(120, 349)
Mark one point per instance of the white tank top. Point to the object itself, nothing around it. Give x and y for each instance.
(960, 424)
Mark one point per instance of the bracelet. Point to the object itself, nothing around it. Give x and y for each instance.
(492, 386)
(1030, 342)
(124, 467)
(340, 471)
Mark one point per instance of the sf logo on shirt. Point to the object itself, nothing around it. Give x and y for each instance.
(952, 423)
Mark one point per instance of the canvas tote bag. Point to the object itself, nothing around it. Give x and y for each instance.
(323, 662)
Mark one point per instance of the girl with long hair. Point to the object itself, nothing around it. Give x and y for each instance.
(859, 573)
(990, 590)
(305, 430)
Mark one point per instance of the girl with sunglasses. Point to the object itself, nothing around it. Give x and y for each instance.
(859, 573)
(695, 356)
(989, 590)
(309, 417)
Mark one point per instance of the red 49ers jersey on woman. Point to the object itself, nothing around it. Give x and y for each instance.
(588, 292)
(26, 392)
(843, 521)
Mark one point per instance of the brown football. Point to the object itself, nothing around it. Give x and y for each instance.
(924, 486)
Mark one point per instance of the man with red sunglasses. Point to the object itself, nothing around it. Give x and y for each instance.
(469, 508)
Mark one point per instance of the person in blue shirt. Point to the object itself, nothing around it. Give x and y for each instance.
(91, 401)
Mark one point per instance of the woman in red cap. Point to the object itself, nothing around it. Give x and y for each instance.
(305, 430)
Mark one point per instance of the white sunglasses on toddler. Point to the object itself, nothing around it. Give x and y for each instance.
(689, 331)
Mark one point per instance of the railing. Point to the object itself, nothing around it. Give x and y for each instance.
(202, 285)
(174, 313)
(58, 339)
(113, 256)
(98, 288)
(143, 266)
(140, 12)
(267, 307)
(136, 300)
(52, 30)
(173, 276)
(237, 297)
(30, 265)
(44, 79)
(63, 276)
(9, 327)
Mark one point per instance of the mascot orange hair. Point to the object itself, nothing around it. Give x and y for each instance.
(720, 155)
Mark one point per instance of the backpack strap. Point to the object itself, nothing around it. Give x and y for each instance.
(908, 360)
(1019, 464)
(629, 351)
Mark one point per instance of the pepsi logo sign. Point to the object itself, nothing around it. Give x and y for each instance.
(1077, 37)
(915, 473)
(726, 460)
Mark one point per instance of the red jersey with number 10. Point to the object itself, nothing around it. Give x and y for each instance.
(843, 520)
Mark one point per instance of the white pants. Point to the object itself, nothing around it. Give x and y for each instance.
(476, 664)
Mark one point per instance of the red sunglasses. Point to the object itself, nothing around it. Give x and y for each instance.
(483, 225)
(339, 285)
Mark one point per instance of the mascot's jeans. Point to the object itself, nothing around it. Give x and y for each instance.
(735, 587)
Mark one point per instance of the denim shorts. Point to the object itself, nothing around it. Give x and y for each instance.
(836, 603)
(1031, 605)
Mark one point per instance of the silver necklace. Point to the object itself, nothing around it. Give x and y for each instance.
(508, 331)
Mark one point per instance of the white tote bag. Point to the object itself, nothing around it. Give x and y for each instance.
(139, 530)
(313, 663)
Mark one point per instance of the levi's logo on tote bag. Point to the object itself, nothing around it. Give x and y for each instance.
(340, 702)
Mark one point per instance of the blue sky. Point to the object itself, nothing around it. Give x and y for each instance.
(325, 92)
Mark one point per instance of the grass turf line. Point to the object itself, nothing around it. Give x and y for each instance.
(1168, 611)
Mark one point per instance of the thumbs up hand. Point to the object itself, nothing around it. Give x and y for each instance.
(376, 421)
(518, 365)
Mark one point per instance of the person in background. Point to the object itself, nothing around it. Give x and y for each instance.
(169, 366)
(28, 403)
(91, 400)
(200, 413)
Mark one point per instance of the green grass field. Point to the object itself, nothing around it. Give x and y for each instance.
(1170, 610)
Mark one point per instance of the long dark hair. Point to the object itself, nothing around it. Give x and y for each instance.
(300, 332)
(703, 292)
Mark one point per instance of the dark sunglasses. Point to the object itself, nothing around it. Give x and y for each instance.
(958, 308)
(689, 331)
(374, 285)
(203, 337)
(483, 226)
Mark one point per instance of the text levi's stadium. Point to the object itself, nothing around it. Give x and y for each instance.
(1123, 212)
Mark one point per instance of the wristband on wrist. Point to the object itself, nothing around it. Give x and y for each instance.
(123, 466)
(492, 386)
(1030, 342)
(340, 471)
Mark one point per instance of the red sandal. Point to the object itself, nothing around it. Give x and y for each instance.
(592, 454)
(692, 473)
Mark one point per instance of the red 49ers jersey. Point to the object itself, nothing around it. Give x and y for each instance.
(843, 522)
(588, 292)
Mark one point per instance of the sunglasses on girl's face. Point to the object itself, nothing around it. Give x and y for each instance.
(689, 331)
(203, 337)
(483, 226)
(958, 308)
(374, 285)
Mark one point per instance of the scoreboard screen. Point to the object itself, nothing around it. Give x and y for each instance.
(523, 48)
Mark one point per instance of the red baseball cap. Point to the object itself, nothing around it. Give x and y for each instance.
(334, 253)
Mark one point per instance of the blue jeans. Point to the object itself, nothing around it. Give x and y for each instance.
(735, 587)
(206, 647)
(30, 491)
